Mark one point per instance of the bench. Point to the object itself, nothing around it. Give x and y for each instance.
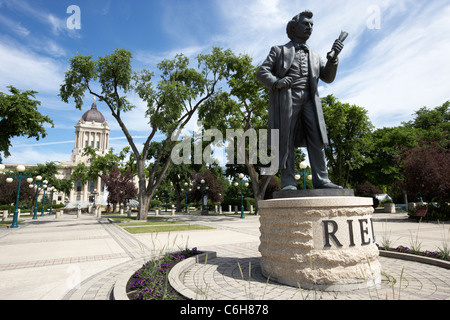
(421, 213)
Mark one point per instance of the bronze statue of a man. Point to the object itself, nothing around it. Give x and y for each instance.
(292, 73)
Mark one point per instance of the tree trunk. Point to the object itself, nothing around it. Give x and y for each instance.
(143, 203)
(259, 185)
(178, 199)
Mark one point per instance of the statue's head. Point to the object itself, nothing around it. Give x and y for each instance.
(301, 26)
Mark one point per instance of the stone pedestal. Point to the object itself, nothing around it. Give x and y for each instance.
(319, 243)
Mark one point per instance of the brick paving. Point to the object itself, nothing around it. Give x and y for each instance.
(228, 278)
(107, 256)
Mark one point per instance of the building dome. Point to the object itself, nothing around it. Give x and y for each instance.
(93, 115)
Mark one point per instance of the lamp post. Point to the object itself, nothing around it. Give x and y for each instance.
(37, 185)
(52, 190)
(203, 186)
(303, 172)
(19, 176)
(242, 182)
(94, 193)
(186, 189)
(44, 186)
(165, 197)
(31, 186)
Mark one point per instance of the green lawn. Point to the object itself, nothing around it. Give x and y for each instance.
(129, 219)
(155, 224)
(149, 223)
(166, 228)
(7, 223)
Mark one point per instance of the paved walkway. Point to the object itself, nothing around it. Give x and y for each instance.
(86, 259)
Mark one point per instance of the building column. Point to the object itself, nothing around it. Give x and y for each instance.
(85, 192)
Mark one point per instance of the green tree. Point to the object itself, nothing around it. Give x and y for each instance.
(432, 123)
(382, 167)
(120, 186)
(426, 170)
(8, 192)
(242, 107)
(99, 165)
(387, 148)
(348, 130)
(214, 187)
(19, 116)
(48, 171)
(170, 105)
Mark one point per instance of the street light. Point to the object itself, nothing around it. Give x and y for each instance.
(44, 186)
(37, 185)
(303, 172)
(20, 176)
(203, 186)
(165, 197)
(242, 182)
(186, 189)
(94, 193)
(51, 189)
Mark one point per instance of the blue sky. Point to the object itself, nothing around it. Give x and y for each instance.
(395, 59)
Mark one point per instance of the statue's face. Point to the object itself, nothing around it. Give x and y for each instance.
(304, 28)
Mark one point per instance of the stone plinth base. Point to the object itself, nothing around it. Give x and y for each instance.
(323, 243)
(313, 193)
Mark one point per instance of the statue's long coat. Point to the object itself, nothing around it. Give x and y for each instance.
(275, 67)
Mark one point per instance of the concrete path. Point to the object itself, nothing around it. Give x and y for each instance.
(84, 259)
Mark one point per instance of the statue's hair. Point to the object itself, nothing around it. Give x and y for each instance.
(293, 23)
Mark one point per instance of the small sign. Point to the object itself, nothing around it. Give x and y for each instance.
(343, 232)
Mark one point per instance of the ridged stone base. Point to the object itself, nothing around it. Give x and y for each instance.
(323, 243)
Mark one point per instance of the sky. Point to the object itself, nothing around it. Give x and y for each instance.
(395, 60)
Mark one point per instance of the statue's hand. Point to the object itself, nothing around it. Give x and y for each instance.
(284, 83)
(337, 47)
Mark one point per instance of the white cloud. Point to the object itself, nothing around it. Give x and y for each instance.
(404, 70)
(14, 26)
(53, 49)
(43, 144)
(57, 25)
(391, 71)
(28, 71)
(150, 59)
(34, 156)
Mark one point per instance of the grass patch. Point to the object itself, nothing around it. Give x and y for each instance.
(8, 223)
(127, 219)
(166, 228)
(150, 223)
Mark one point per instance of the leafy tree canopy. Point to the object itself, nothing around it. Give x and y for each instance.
(19, 116)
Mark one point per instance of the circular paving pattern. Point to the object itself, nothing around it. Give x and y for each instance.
(226, 278)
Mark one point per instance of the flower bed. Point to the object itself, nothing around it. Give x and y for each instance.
(431, 254)
(151, 281)
(427, 253)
